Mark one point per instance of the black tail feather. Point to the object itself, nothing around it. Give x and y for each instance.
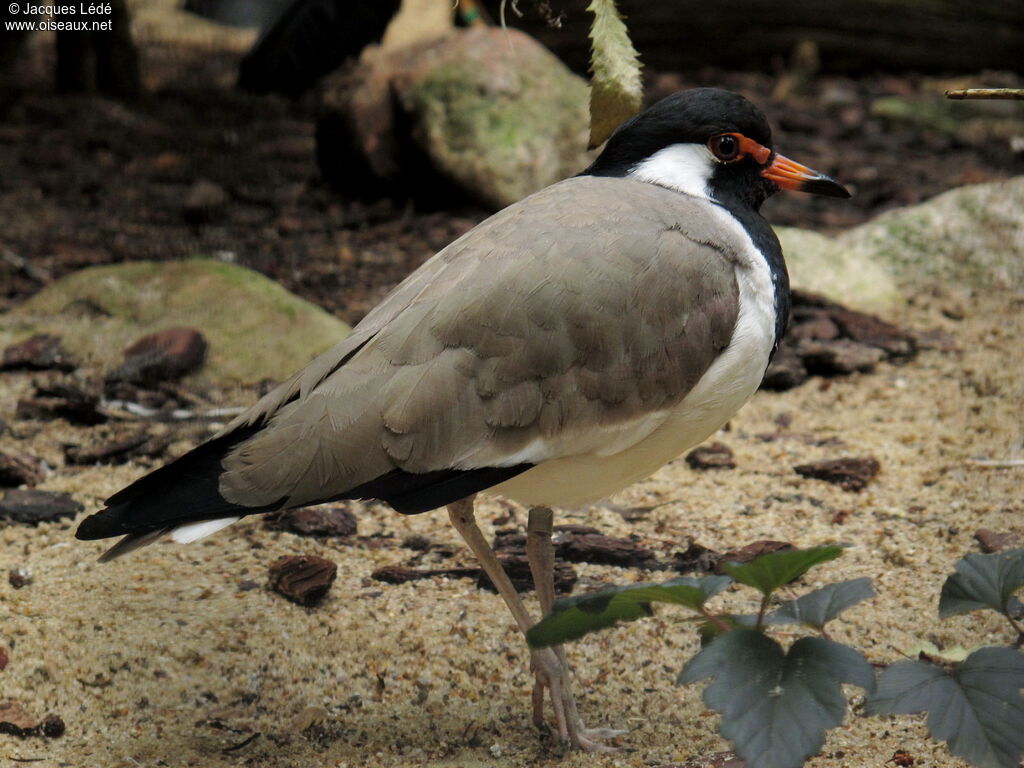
(187, 491)
(184, 491)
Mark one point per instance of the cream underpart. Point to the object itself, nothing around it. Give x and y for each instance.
(727, 384)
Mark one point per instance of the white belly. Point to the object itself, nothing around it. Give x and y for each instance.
(729, 382)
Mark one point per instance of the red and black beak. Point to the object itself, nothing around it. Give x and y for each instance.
(788, 174)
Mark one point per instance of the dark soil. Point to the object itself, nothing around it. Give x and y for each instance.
(89, 181)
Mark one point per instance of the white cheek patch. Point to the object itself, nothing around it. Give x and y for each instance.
(686, 168)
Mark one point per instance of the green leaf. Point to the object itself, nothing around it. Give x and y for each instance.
(817, 608)
(975, 707)
(573, 617)
(616, 91)
(776, 706)
(983, 581)
(767, 573)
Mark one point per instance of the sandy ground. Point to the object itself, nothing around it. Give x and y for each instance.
(159, 659)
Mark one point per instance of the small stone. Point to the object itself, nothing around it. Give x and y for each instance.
(19, 576)
(34, 507)
(37, 353)
(302, 579)
(164, 356)
(319, 521)
(850, 473)
(204, 201)
(53, 727)
(19, 470)
(3, 659)
(247, 585)
(991, 541)
(711, 456)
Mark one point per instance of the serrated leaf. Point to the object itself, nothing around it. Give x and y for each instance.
(817, 608)
(767, 573)
(983, 581)
(616, 91)
(951, 654)
(975, 707)
(776, 706)
(573, 617)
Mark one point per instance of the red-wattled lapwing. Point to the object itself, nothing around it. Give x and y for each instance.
(566, 347)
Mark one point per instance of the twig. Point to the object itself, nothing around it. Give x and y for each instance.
(986, 93)
(995, 463)
(125, 409)
(241, 744)
(24, 265)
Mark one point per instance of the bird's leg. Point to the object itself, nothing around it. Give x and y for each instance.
(540, 553)
(543, 661)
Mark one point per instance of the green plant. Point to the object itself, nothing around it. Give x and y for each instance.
(776, 703)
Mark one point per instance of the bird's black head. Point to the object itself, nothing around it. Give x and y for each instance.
(707, 142)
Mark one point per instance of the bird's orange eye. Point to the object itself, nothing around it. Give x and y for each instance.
(725, 146)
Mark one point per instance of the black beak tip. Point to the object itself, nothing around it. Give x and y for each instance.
(823, 185)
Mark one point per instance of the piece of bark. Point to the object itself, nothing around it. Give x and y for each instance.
(870, 330)
(517, 566)
(711, 456)
(204, 202)
(839, 356)
(35, 507)
(786, 370)
(696, 557)
(19, 470)
(37, 353)
(302, 579)
(751, 551)
(62, 400)
(320, 521)
(3, 658)
(937, 339)
(819, 327)
(164, 356)
(604, 550)
(991, 541)
(850, 473)
(399, 574)
(916, 35)
(15, 721)
(119, 451)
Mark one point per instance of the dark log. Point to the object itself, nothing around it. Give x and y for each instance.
(853, 36)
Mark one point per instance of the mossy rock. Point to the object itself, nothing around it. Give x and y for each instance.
(971, 236)
(823, 264)
(498, 113)
(255, 328)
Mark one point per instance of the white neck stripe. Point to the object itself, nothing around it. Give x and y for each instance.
(685, 168)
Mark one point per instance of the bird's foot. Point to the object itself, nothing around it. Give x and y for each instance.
(552, 675)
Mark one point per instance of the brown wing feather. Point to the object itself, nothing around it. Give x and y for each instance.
(526, 329)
